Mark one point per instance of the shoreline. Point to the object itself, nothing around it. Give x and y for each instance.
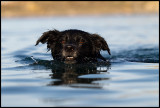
(80, 15)
(74, 8)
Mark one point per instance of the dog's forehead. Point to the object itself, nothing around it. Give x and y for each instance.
(72, 36)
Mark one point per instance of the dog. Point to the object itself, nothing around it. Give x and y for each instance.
(74, 46)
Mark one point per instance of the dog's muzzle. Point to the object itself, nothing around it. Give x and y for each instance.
(69, 52)
(69, 48)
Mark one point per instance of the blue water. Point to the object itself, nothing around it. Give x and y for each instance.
(130, 79)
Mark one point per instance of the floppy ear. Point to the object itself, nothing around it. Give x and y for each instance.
(48, 36)
(100, 43)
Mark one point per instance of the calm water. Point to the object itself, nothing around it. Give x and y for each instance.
(130, 79)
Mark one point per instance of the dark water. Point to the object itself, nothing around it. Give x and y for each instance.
(131, 78)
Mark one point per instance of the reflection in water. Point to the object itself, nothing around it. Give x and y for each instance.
(68, 74)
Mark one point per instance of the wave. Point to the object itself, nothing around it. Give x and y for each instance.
(146, 55)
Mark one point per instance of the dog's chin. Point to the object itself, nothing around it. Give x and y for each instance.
(70, 60)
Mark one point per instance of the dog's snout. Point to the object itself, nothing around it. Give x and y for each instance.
(69, 48)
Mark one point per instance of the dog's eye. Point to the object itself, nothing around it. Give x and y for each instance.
(81, 42)
(63, 42)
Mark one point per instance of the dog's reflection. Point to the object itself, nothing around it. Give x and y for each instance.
(72, 74)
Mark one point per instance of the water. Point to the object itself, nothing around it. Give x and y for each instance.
(130, 79)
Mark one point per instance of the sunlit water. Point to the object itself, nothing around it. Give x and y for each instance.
(130, 79)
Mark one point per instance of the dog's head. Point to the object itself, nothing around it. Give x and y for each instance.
(73, 45)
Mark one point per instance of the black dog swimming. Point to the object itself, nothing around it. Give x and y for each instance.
(73, 45)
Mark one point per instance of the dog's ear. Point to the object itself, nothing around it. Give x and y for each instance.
(100, 43)
(48, 36)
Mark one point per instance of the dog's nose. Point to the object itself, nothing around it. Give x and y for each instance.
(69, 48)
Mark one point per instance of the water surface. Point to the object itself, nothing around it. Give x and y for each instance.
(132, 76)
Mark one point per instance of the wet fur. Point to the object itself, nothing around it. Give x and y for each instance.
(88, 51)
